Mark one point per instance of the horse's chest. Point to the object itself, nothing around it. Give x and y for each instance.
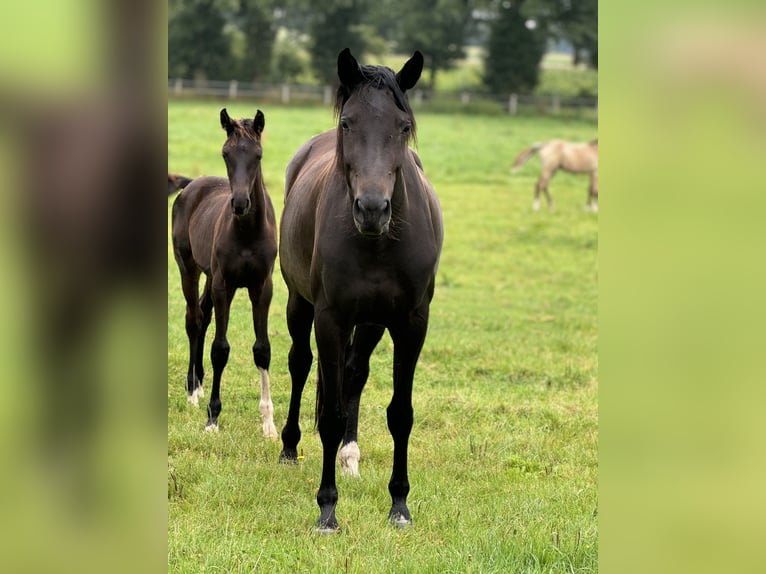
(243, 266)
(370, 291)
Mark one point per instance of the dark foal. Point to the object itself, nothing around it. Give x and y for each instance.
(226, 229)
(361, 235)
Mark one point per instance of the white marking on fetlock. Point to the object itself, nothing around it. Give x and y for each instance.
(595, 208)
(199, 392)
(192, 398)
(349, 457)
(266, 407)
(211, 427)
(536, 205)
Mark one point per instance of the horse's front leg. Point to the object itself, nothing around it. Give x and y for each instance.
(260, 300)
(300, 316)
(331, 339)
(366, 338)
(219, 350)
(408, 337)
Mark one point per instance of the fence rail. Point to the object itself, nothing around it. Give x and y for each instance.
(323, 95)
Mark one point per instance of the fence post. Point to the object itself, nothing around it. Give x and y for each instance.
(233, 90)
(327, 95)
(178, 86)
(418, 97)
(556, 104)
(513, 104)
(465, 97)
(285, 93)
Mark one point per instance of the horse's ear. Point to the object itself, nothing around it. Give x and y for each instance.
(259, 122)
(226, 122)
(349, 73)
(409, 75)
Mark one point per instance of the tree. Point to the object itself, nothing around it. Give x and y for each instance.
(335, 26)
(579, 24)
(255, 18)
(515, 50)
(438, 29)
(197, 46)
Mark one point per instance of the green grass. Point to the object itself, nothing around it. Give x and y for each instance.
(503, 453)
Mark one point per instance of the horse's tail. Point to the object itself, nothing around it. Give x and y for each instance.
(319, 401)
(176, 182)
(522, 158)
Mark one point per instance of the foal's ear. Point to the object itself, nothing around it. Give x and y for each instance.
(259, 122)
(409, 75)
(349, 73)
(226, 122)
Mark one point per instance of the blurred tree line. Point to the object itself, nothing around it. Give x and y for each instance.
(298, 41)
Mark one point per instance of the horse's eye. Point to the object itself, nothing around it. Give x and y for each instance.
(406, 129)
(344, 124)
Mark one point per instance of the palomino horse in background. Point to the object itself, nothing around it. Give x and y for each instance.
(571, 157)
(360, 239)
(176, 182)
(226, 229)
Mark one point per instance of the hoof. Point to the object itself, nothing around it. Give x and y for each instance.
(326, 530)
(211, 427)
(288, 457)
(270, 431)
(400, 521)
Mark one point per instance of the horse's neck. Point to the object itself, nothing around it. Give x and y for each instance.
(256, 218)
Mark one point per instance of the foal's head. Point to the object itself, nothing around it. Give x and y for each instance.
(242, 153)
(376, 124)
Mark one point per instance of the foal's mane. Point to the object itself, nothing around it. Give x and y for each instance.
(244, 128)
(381, 78)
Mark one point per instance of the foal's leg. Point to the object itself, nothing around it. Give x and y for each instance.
(300, 316)
(260, 300)
(543, 183)
(408, 340)
(593, 191)
(219, 350)
(190, 286)
(206, 307)
(366, 338)
(538, 188)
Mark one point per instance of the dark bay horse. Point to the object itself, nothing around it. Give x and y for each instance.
(361, 235)
(571, 157)
(226, 229)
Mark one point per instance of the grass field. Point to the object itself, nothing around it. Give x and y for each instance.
(503, 453)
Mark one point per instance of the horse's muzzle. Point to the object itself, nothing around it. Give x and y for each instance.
(240, 205)
(372, 216)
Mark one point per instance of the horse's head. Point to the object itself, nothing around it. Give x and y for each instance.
(376, 124)
(242, 153)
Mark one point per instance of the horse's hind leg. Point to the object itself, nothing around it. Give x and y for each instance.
(366, 338)
(206, 307)
(190, 287)
(300, 316)
(260, 300)
(593, 193)
(219, 350)
(538, 188)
